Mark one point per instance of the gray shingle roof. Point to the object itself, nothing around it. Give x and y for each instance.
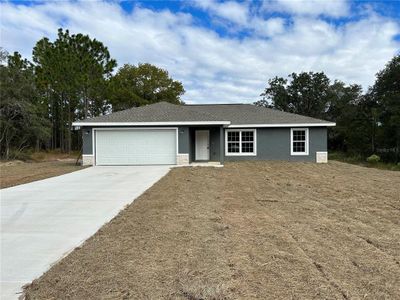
(158, 112)
(252, 114)
(236, 114)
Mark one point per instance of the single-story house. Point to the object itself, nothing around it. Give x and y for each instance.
(165, 133)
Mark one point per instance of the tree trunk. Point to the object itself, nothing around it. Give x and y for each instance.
(398, 146)
(53, 124)
(86, 104)
(7, 142)
(373, 135)
(62, 147)
(7, 153)
(69, 128)
(55, 131)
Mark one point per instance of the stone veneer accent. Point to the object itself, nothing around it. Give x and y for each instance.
(87, 160)
(182, 159)
(322, 157)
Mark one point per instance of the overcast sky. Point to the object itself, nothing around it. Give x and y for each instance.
(222, 51)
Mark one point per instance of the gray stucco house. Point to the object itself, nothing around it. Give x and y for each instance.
(165, 133)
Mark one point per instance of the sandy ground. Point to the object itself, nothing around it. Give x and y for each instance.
(251, 230)
(17, 172)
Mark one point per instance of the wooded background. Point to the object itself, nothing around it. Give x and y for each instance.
(75, 77)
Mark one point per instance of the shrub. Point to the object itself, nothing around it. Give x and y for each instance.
(20, 155)
(373, 159)
(38, 156)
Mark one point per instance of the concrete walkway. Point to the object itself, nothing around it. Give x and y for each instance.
(44, 220)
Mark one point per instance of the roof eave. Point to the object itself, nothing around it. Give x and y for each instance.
(171, 123)
(326, 124)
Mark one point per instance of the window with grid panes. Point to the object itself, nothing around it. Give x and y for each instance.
(299, 141)
(241, 142)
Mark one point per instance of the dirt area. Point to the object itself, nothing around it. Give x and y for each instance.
(18, 172)
(251, 230)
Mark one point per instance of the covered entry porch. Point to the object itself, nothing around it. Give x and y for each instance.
(206, 145)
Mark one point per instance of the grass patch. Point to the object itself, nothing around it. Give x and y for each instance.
(362, 161)
(29, 155)
(250, 230)
(37, 166)
(52, 155)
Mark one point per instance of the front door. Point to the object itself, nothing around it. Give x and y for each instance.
(202, 145)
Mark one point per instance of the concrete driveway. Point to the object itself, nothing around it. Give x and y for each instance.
(42, 221)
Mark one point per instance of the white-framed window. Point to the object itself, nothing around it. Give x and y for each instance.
(299, 141)
(241, 142)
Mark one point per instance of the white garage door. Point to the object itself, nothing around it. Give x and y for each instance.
(136, 147)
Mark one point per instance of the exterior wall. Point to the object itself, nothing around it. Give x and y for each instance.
(183, 140)
(274, 144)
(87, 140)
(183, 146)
(192, 145)
(214, 144)
(87, 151)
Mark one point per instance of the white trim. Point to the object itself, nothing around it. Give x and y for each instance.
(93, 147)
(240, 142)
(94, 141)
(307, 142)
(78, 123)
(282, 125)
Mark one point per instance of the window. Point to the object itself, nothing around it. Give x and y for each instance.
(234, 141)
(240, 142)
(299, 141)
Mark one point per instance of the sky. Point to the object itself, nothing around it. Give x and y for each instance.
(222, 51)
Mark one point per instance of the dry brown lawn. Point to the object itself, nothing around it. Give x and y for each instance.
(251, 230)
(17, 172)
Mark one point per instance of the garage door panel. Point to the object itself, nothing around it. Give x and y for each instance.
(135, 147)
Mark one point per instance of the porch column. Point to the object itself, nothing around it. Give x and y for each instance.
(221, 144)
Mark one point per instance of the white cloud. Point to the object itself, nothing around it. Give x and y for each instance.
(212, 68)
(333, 8)
(229, 10)
(269, 27)
(239, 16)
